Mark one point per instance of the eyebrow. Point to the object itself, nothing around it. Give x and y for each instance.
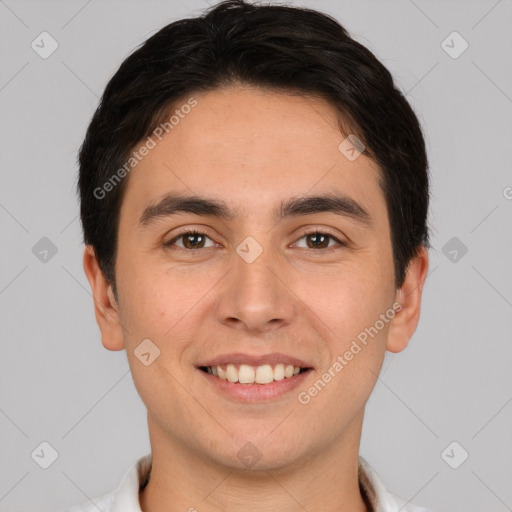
(172, 204)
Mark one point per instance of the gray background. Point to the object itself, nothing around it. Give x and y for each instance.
(58, 384)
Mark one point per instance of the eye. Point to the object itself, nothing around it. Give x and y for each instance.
(192, 239)
(320, 240)
(196, 239)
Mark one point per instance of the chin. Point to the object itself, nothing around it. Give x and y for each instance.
(260, 452)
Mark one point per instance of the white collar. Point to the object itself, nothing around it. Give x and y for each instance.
(126, 497)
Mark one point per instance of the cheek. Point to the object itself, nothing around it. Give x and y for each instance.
(162, 304)
(347, 300)
(349, 308)
(356, 347)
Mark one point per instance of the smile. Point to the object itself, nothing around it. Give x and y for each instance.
(248, 374)
(253, 378)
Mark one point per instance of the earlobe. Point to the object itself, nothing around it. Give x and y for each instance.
(406, 320)
(105, 304)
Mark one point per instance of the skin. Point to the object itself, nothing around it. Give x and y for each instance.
(254, 148)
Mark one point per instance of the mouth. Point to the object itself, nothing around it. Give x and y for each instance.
(246, 378)
(250, 374)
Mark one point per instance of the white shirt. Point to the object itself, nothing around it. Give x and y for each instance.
(126, 497)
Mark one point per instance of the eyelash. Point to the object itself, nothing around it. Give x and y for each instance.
(200, 232)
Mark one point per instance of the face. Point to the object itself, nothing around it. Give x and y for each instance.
(266, 282)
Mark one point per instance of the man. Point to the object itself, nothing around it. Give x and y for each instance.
(254, 195)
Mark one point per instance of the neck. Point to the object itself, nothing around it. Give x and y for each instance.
(183, 480)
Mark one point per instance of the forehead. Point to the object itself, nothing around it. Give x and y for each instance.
(252, 146)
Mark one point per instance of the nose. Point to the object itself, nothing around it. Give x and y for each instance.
(255, 297)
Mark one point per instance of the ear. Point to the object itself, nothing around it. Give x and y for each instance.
(105, 304)
(406, 319)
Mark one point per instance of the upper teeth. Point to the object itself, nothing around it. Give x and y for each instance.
(245, 374)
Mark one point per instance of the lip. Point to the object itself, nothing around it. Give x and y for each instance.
(254, 393)
(255, 360)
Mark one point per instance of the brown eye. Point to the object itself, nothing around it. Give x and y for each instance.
(193, 240)
(190, 240)
(319, 241)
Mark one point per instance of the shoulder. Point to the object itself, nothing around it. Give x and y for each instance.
(379, 497)
(126, 497)
(404, 506)
(103, 503)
